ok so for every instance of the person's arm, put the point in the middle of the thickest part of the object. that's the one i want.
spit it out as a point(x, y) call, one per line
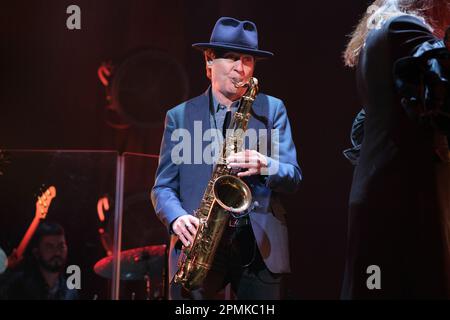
point(280, 171)
point(421, 74)
point(165, 192)
point(284, 174)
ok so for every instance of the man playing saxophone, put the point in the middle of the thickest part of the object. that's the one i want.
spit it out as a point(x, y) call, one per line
point(252, 253)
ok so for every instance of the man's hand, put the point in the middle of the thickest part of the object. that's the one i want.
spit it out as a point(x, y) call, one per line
point(185, 227)
point(251, 160)
point(14, 260)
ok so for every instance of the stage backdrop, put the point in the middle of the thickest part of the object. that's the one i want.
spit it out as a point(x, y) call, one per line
point(51, 96)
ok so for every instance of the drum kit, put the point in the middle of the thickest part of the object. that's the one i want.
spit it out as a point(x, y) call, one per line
point(146, 263)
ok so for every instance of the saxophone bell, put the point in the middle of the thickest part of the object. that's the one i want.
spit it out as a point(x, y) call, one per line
point(232, 194)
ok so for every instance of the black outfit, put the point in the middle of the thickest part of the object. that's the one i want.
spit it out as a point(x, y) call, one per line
point(399, 217)
point(29, 284)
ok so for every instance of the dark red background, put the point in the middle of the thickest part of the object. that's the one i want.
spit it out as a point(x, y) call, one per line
point(51, 97)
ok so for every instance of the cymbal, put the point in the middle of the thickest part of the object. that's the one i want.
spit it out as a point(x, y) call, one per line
point(135, 264)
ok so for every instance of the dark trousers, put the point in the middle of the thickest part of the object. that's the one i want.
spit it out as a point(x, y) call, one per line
point(238, 262)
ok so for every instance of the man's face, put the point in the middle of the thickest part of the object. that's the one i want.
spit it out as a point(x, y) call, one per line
point(228, 68)
point(52, 253)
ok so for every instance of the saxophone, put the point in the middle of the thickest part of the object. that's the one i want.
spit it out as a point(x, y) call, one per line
point(225, 194)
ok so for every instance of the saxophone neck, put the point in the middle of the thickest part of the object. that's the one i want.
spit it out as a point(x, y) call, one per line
point(252, 89)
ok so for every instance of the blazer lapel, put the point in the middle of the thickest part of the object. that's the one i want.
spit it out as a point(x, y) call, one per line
point(198, 121)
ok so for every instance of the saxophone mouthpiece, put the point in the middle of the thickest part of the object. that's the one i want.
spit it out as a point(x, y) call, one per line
point(250, 82)
point(239, 83)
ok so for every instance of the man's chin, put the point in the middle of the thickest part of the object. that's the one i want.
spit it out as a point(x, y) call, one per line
point(235, 92)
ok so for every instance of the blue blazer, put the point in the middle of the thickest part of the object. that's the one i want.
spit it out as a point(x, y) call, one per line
point(179, 188)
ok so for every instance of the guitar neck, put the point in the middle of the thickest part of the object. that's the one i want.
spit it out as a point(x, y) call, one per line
point(27, 237)
point(42, 205)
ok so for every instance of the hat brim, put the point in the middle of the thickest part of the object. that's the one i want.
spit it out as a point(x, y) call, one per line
point(253, 52)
